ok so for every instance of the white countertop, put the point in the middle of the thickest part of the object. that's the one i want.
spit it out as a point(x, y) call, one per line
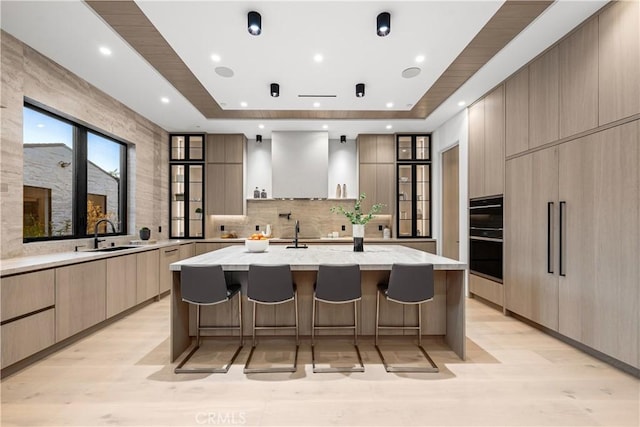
point(374, 257)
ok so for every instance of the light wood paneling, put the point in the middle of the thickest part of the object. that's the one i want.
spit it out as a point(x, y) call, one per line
point(494, 142)
point(517, 113)
point(368, 180)
point(429, 246)
point(147, 278)
point(543, 99)
point(385, 148)
point(25, 293)
point(215, 148)
point(385, 187)
point(578, 61)
point(121, 283)
point(599, 296)
point(80, 297)
point(215, 188)
point(234, 148)
point(187, 251)
point(476, 149)
point(168, 255)
point(233, 189)
point(450, 204)
point(27, 336)
point(367, 148)
point(619, 61)
point(487, 289)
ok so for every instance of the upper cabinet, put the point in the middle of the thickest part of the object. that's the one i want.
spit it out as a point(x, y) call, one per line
point(619, 61)
point(377, 170)
point(543, 99)
point(224, 174)
point(578, 62)
point(516, 98)
point(486, 145)
point(186, 147)
point(377, 148)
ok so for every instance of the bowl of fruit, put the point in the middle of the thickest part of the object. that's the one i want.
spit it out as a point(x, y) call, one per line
point(256, 243)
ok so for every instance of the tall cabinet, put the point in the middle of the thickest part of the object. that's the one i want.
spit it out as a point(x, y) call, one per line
point(186, 187)
point(225, 183)
point(377, 170)
point(413, 154)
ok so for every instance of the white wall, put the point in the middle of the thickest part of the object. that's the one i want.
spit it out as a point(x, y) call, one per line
point(258, 167)
point(343, 160)
point(453, 132)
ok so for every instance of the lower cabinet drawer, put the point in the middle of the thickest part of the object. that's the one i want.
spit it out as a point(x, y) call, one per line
point(26, 336)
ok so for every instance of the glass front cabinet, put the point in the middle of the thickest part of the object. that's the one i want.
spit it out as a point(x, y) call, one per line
point(413, 211)
point(186, 187)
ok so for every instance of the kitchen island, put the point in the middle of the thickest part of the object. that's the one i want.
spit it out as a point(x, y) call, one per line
point(444, 316)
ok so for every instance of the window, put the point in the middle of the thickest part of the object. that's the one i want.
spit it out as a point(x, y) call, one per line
point(74, 177)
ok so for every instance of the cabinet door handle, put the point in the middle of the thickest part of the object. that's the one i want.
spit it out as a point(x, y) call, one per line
point(170, 250)
point(549, 237)
point(561, 239)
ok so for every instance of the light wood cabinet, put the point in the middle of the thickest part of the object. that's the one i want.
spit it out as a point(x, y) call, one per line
point(225, 195)
point(225, 148)
point(476, 149)
point(578, 62)
point(377, 182)
point(80, 297)
point(619, 61)
point(26, 336)
point(147, 279)
point(544, 99)
point(531, 205)
point(168, 255)
point(121, 283)
point(486, 145)
point(572, 238)
point(26, 293)
point(187, 251)
point(599, 292)
point(487, 289)
point(516, 100)
point(377, 148)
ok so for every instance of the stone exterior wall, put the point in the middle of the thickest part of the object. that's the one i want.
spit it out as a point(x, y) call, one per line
point(27, 73)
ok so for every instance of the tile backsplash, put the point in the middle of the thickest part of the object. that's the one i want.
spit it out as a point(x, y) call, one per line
point(316, 219)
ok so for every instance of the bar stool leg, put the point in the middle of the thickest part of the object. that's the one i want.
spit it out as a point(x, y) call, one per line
point(295, 301)
point(377, 315)
point(253, 327)
point(240, 318)
point(313, 321)
point(355, 323)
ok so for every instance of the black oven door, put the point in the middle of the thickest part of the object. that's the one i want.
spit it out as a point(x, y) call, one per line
point(486, 258)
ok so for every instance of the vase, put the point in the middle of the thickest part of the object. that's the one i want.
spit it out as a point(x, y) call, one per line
point(338, 192)
point(145, 234)
point(358, 237)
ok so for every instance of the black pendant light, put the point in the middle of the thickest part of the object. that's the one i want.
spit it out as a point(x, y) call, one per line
point(383, 27)
point(275, 90)
point(360, 90)
point(254, 23)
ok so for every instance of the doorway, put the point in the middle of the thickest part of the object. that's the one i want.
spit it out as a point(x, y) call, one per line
point(450, 204)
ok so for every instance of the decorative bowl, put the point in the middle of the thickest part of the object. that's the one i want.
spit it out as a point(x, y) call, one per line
point(256, 245)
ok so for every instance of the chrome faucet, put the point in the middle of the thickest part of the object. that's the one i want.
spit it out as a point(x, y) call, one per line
point(295, 234)
point(95, 232)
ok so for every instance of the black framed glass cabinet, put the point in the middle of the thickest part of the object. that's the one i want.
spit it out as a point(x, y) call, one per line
point(186, 186)
point(413, 163)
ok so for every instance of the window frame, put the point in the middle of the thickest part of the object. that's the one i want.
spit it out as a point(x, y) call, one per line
point(79, 185)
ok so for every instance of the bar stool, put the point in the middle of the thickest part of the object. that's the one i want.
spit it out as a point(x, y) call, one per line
point(271, 285)
point(409, 284)
point(337, 284)
point(206, 285)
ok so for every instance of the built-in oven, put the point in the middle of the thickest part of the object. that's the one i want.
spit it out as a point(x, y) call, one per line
point(485, 237)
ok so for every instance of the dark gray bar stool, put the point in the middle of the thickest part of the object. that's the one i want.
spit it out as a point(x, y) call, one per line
point(409, 284)
point(337, 284)
point(270, 285)
point(206, 285)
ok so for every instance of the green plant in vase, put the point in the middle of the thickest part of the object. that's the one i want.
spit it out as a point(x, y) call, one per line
point(358, 219)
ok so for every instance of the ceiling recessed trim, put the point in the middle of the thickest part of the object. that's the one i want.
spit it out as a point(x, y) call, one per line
point(127, 19)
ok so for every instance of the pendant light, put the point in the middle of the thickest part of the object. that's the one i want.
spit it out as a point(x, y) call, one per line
point(383, 27)
point(254, 23)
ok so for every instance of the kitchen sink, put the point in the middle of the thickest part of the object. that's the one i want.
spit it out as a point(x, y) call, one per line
point(113, 248)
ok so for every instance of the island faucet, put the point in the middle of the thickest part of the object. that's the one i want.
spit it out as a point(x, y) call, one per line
point(95, 232)
point(296, 230)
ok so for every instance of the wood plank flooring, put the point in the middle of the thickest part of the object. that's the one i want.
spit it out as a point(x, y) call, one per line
point(514, 376)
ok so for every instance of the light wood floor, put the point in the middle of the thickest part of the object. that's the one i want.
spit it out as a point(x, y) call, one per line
point(514, 376)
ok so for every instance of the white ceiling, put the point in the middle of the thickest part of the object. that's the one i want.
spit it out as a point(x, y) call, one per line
point(70, 33)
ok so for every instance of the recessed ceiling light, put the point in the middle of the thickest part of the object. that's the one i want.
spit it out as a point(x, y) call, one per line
point(164, 100)
point(316, 104)
point(318, 57)
point(461, 104)
point(105, 51)
point(254, 23)
point(40, 125)
point(224, 71)
point(420, 58)
point(410, 72)
point(261, 126)
point(325, 126)
point(243, 104)
point(215, 57)
point(389, 126)
point(389, 104)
